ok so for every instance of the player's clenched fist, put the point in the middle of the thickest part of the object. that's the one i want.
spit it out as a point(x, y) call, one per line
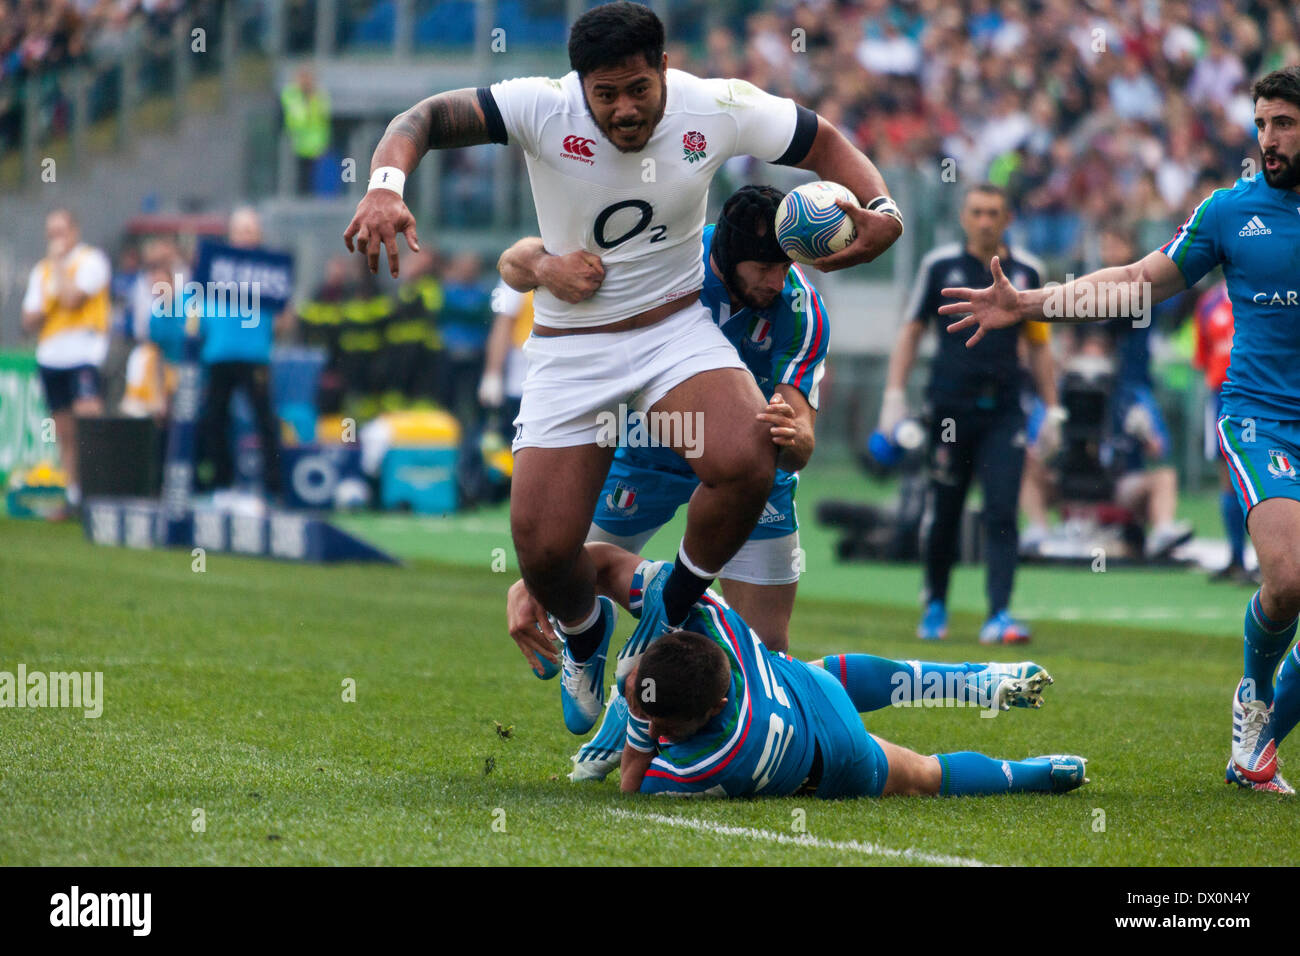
point(380, 217)
point(572, 277)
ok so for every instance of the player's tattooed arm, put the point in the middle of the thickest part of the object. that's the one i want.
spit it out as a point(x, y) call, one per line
point(443, 121)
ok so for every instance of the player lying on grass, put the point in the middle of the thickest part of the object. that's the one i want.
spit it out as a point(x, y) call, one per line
point(1253, 232)
point(718, 714)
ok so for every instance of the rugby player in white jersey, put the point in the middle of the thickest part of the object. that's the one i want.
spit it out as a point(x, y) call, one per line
point(620, 154)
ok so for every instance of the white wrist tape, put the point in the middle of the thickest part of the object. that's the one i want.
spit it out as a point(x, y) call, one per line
point(388, 177)
point(883, 204)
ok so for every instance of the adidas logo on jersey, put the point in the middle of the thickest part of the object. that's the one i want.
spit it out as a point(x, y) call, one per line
point(770, 515)
point(579, 148)
point(1255, 227)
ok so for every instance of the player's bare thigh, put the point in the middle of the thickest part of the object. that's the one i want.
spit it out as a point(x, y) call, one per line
point(766, 608)
point(727, 438)
point(910, 774)
point(553, 495)
point(1274, 526)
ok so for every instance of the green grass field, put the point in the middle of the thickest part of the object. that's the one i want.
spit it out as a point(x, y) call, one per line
point(223, 693)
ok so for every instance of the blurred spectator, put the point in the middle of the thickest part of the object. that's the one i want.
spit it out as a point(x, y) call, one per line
point(67, 307)
point(236, 355)
point(306, 108)
point(320, 321)
point(1217, 76)
point(1133, 93)
point(1214, 328)
point(162, 304)
point(464, 323)
point(411, 337)
point(501, 388)
point(1140, 441)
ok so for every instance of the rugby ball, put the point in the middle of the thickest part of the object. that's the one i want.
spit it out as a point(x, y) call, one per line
point(810, 226)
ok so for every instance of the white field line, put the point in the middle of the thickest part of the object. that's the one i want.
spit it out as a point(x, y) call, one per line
point(1126, 613)
point(804, 839)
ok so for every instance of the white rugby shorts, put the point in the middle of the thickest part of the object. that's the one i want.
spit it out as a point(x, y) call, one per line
point(764, 561)
point(573, 379)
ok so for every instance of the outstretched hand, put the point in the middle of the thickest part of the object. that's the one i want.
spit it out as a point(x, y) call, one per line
point(381, 215)
point(995, 307)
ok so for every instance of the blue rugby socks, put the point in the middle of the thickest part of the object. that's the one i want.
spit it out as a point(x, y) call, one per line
point(874, 682)
point(1234, 522)
point(1286, 699)
point(1265, 644)
point(968, 774)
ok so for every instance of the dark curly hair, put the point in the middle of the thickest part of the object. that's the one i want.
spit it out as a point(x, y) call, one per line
point(1281, 84)
point(682, 676)
point(612, 33)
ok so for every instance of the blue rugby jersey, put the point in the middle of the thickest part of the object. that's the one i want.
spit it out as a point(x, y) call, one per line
point(1253, 231)
point(783, 344)
point(762, 742)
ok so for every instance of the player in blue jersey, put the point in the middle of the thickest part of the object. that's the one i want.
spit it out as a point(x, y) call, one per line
point(778, 324)
point(1253, 232)
point(718, 714)
point(775, 318)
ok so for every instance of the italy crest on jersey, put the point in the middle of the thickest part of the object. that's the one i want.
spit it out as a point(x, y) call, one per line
point(1279, 465)
point(760, 335)
point(622, 499)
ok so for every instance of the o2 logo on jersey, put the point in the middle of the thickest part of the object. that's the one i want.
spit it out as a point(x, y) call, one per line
point(622, 500)
point(693, 146)
point(579, 148)
point(621, 213)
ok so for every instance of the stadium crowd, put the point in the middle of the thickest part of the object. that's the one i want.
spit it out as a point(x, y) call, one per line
point(1087, 113)
point(40, 39)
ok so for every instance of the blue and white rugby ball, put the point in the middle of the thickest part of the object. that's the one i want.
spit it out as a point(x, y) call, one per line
point(810, 226)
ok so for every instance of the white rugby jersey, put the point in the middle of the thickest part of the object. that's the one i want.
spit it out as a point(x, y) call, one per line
point(642, 213)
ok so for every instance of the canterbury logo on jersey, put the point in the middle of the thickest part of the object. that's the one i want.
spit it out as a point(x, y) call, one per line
point(579, 148)
point(1255, 227)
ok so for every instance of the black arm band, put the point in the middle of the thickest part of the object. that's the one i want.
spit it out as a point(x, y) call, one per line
point(805, 131)
point(496, 126)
